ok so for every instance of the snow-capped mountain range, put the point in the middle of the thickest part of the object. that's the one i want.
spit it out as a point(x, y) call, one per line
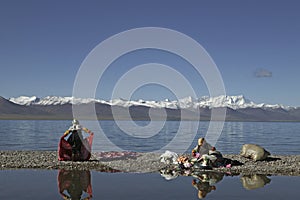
point(238, 108)
point(233, 102)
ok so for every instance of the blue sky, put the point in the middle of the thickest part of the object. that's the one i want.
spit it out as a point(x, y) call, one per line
point(255, 44)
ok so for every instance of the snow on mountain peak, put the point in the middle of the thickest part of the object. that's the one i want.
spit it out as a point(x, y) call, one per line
point(24, 100)
point(51, 100)
point(233, 102)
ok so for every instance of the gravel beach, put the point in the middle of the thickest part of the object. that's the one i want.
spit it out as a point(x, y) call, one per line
point(142, 163)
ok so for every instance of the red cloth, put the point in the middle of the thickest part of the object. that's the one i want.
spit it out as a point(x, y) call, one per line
point(65, 149)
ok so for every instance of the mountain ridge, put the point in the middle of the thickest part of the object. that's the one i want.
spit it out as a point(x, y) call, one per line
point(238, 108)
point(234, 102)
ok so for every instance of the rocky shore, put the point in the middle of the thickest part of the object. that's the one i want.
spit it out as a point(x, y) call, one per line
point(142, 163)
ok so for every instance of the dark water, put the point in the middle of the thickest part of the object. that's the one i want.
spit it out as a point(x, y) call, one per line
point(42, 184)
point(276, 137)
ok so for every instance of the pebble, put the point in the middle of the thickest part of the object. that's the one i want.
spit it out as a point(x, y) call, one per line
point(143, 163)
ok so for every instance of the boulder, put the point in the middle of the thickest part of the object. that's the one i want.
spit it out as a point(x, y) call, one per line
point(255, 152)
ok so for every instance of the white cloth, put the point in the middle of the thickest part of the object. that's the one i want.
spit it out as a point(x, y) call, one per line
point(169, 157)
point(75, 127)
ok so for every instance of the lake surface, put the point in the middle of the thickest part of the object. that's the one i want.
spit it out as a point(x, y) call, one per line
point(276, 137)
point(51, 184)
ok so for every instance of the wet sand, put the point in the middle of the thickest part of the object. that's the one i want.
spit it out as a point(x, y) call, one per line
point(142, 163)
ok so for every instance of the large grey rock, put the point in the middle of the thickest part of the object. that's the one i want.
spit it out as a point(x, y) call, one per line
point(254, 152)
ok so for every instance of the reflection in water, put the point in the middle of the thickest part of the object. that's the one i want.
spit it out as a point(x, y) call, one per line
point(74, 185)
point(251, 182)
point(205, 181)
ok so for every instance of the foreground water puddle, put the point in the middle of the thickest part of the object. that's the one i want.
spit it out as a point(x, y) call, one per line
point(68, 184)
point(75, 184)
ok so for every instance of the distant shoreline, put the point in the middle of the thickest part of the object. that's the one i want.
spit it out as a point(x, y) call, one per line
point(288, 165)
point(125, 119)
